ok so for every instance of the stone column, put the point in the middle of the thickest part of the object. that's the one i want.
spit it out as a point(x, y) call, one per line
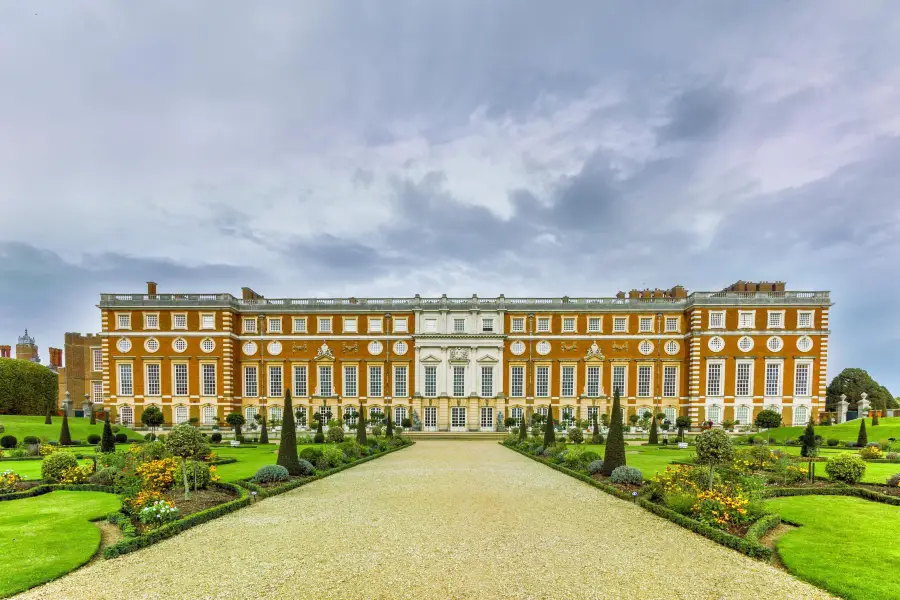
point(67, 405)
point(863, 405)
point(842, 409)
point(87, 406)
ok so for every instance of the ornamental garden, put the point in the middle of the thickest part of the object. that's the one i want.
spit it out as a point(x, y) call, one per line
point(147, 488)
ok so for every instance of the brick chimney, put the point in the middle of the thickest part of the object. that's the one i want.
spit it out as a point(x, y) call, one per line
point(55, 357)
point(5, 351)
point(151, 288)
point(249, 294)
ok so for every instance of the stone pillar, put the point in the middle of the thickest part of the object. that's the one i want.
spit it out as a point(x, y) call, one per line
point(67, 405)
point(842, 409)
point(87, 406)
point(863, 405)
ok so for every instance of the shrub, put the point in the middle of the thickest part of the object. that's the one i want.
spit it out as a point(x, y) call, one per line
point(199, 474)
point(75, 475)
point(93, 439)
point(714, 447)
point(848, 468)
point(159, 512)
point(833, 442)
point(271, 474)
point(576, 435)
point(215, 438)
point(351, 450)
point(894, 480)
point(376, 430)
point(597, 438)
point(850, 444)
point(589, 456)
point(27, 388)
point(614, 454)
point(31, 439)
point(9, 481)
point(107, 476)
point(121, 438)
point(150, 437)
point(332, 456)
point(185, 442)
point(306, 468)
point(871, 452)
point(9, 441)
point(335, 434)
point(681, 501)
point(311, 454)
point(595, 466)
point(627, 475)
point(157, 474)
point(768, 419)
point(722, 507)
point(53, 466)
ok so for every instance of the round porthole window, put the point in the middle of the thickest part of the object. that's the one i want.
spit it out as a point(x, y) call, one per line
point(775, 344)
point(208, 345)
point(645, 347)
point(745, 344)
point(274, 348)
point(716, 344)
point(543, 347)
point(804, 343)
point(179, 345)
point(375, 348)
point(672, 347)
point(151, 345)
point(400, 348)
point(249, 348)
point(123, 345)
point(517, 348)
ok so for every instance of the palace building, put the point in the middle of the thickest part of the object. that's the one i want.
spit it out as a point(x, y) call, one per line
point(465, 364)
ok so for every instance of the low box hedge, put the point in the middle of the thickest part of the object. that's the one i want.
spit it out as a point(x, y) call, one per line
point(833, 491)
point(751, 548)
point(761, 527)
point(46, 488)
point(19, 458)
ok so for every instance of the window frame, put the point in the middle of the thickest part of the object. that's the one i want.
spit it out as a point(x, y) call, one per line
point(295, 369)
point(459, 392)
point(812, 319)
point(739, 364)
point(148, 381)
point(779, 383)
point(675, 329)
point(270, 321)
point(429, 380)
point(327, 321)
point(95, 353)
point(488, 370)
point(563, 384)
point(456, 325)
point(673, 369)
point(513, 383)
point(745, 313)
point(719, 315)
point(397, 379)
point(569, 320)
point(487, 325)
point(599, 321)
point(396, 325)
point(589, 369)
point(203, 317)
point(719, 380)
point(269, 380)
point(375, 324)
point(616, 321)
point(204, 390)
point(807, 366)
point(612, 378)
point(176, 367)
point(350, 325)
point(147, 325)
point(119, 325)
point(251, 321)
point(512, 324)
point(320, 378)
point(549, 325)
point(295, 321)
point(175, 317)
point(375, 384)
point(769, 316)
point(645, 319)
point(647, 383)
point(350, 379)
point(245, 381)
point(538, 370)
point(430, 325)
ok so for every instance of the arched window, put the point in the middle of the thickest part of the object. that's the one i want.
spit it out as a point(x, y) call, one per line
point(181, 415)
point(350, 415)
point(715, 414)
point(209, 415)
point(126, 415)
point(801, 415)
point(275, 413)
point(250, 414)
point(743, 415)
point(399, 414)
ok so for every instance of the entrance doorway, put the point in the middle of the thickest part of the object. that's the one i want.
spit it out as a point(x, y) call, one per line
point(457, 418)
point(430, 418)
point(487, 418)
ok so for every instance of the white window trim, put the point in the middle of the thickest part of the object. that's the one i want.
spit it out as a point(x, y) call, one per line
point(119, 326)
point(600, 323)
point(252, 328)
point(455, 321)
point(270, 320)
point(492, 321)
point(638, 376)
point(375, 324)
point(395, 379)
point(320, 320)
point(769, 319)
point(305, 392)
point(809, 379)
point(780, 393)
point(537, 324)
point(147, 378)
point(709, 319)
point(370, 380)
point(245, 392)
point(430, 325)
point(677, 380)
point(616, 320)
point(549, 368)
point(295, 320)
point(512, 325)
point(151, 327)
point(612, 389)
point(812, 318)
point(94, 363)
point(350, 322)
point(405, 328)
point(721, 393)
point(203, 316)
point(574, 320)
point(752, 314)
point(517, 366)
point(752, 375)
point(344, 379)
point(574, 368)
point(187, 368)
point(179, 314)
point(215, 379)
point(641, 320)
point(269, 393)
point(677, 324)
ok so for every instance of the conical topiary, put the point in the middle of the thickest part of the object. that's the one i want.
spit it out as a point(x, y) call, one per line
point(361, 427)
point(93, 415)
point(389, 430)
point(654, 433)
point(48, 420)
point(108, 441)
point(862, 439)
point(596, 438)
point(523, 429)
point(287, 447)
point(549, 433)
point(808, 440)
point(65, 439)
point(264, 434)
point(614, 456)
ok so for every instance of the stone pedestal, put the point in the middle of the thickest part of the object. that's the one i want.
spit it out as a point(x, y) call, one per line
point(842, 409)
point(67, 407)
point(87, 406)
point(863, 405)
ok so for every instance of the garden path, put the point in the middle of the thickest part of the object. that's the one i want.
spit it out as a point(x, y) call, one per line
point(442, 519)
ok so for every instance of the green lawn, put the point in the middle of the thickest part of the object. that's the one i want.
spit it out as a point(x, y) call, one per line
point(29, 469)
point(47, 536)
point(844, 545)
point(846, 432)
point(79, 428)
point(648, 459)
point(249, 460)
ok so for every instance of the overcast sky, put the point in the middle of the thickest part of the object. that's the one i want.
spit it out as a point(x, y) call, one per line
point(393, 148)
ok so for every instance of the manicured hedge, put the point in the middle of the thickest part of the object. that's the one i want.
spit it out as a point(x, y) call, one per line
point(47, 488)
point(130, 544)
point(833, 491)
point(761, 527)
point(27, 388)
point(224, 461)
point(748, 547)
point(12, 458)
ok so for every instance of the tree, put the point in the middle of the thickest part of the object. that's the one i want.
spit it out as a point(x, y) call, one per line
point(714, 447)
point(361, 427)
point(549, 434)
point(604, 420)
point(654, 434)
point(93, 414)
point(152, 417)
point(614, 455)
point(65, 438)
point(108, 441)
point(595, 438)
point(634, 419)
point(768, 419)
point(523, 428)
point(237, 421)
point(264, 434)
point(185, 441)
point(853, 382)
point(861, 440)
point(27, 388)
point(300, 414)
point(810, 449)
point(287, 447)
point(389, 431)
point(874, 418)
point(683, 422)
point(48, 420)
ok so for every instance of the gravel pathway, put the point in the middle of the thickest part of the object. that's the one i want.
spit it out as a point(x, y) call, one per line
point(441, 519)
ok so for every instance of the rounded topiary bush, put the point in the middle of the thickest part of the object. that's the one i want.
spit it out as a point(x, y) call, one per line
point(332, 457)
point(598, 439)
point(589, 457)
point(575, 435)
point(150, 437)
point(595, 466)
point(105, 476)
point(271, 474)
point(833, 442)
point(93, 439)
point(627, 475)
point(31, 439)
point(310, 454)
point(53, 466)
point(848, 468)
point(306, 468)
point(194, 468)
point(215, 438)
point(894, 480)
point(121, 438)
point(8, 441)
point(335, 434)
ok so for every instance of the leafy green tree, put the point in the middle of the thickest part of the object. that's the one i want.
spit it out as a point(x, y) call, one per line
point(634, 419)
point(862, 439)
point(614, 455)
point(185, 441)
point(48, 420)
point(874, 418)
point(604, 420)
point(65, 438)
point(300, 415)
point(152, 417)
point(714, 447)
point(237, 421)
point(853, 382)
point(768, 419)
point(654, 434)
point(27, 388)
point(287, 447)
point(361, 427)
point(549, 433)
point(108, 441)
point(682, 422)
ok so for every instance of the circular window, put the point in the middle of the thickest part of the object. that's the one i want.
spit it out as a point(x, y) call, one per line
point(716, 343)
point(645, 347)
point(672, 347)
point(804, 343)
point(179, 345)
point(124, 344)
point(775, 344)
point(745, 344)
point(208, 345)
point(151, 345)
point(517, 348)
point(543, 347)
point(375, 348)
point(249, 348)
point(274, 348)
point(400, 347)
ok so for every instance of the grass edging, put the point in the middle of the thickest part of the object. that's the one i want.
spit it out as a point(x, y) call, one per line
point(833, 491)
point(751, 548)
point(292, 485)
point(761, 527)
point(46, 488)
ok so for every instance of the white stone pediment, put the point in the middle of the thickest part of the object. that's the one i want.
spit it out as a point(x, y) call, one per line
point(430, 359)
point(487, 358)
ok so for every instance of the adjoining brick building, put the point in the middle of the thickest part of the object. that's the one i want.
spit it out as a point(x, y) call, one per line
point(82, 375)
point(467, 363)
